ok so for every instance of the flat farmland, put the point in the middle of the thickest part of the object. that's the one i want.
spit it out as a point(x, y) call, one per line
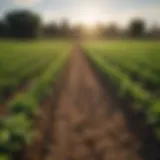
point(94, 100)
point(133, 68)
point(27, 72)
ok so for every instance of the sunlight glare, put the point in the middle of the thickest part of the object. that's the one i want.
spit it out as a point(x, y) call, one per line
point(89, 16)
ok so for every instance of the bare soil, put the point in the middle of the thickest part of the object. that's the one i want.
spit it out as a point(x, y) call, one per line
point(83, 122)
point(87, 124)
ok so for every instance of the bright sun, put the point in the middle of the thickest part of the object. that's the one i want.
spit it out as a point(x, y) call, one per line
point(89, 16)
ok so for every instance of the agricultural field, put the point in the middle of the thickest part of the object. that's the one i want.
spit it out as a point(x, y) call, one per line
point(54, 105)
point(133, 68)
point(27, 71)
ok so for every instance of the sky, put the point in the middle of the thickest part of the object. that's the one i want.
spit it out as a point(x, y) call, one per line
point(88, 11)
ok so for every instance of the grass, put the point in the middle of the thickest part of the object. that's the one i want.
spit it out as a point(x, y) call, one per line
point(133, 67)
point(41, 61)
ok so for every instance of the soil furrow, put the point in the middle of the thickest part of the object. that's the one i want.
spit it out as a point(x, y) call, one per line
point(87, 125)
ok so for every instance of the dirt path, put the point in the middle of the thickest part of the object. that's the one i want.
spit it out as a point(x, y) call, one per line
point(87, 126)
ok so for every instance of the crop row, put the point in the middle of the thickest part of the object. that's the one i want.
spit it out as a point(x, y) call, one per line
point(142, 98)
point(138, 68)
point(16, 129)
point(137, 59)
point(22, 62)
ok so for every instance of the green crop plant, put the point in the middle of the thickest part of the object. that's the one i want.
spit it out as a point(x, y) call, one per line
point(132, 67)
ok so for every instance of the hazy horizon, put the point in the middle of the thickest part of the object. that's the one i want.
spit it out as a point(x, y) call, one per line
point(88, 11)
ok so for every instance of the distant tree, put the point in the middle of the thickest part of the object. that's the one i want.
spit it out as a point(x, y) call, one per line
point(23, 24)
point(51, 30)
point(3, 29)
point(65, 29)
point(112, 30)
point(99, 29)
point(76, 31)
point(137, 28)
point(155, 31)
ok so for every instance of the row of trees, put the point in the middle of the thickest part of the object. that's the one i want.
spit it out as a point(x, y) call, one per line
point(25, 24)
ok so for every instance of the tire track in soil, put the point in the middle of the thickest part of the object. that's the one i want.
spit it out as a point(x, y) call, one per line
point(87, 125)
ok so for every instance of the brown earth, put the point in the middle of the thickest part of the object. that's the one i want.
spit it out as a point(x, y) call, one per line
point(83, 122)
point(87, 125)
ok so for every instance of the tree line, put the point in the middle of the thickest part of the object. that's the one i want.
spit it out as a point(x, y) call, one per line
point(25, 24)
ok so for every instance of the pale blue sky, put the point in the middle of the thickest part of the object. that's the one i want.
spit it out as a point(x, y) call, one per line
point(88, 11)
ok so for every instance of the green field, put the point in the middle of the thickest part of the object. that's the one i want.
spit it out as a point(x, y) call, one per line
point(29, 69)
point(35, 65)
point(133, 67)
point(22, 61)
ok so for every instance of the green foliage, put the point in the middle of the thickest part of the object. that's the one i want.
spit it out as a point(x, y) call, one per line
point(16, 129)
point(134, 68)
point(4, 157)
point(24, 103)
point(24, 61)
